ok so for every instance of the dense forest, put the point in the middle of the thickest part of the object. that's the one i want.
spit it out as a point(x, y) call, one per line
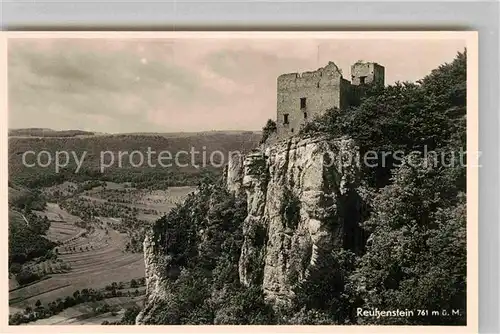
point(143, 176)
point(415, 253)
point(25, 228)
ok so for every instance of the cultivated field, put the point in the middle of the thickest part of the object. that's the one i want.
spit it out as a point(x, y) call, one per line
point(150, 204)
point(64, 189)
point(85, 314)
point(92, 253)
point(96, 259)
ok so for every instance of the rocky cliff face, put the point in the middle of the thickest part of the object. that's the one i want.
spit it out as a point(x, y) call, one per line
point(155, 268)
point(303, 203)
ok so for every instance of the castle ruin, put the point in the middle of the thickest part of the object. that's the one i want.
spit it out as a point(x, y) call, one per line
point(302, 96)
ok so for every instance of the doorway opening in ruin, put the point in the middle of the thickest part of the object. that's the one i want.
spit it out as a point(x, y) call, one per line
point(285, 118)
point(362, 80)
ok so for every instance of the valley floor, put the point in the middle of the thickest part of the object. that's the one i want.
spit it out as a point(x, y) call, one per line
point(86, 259)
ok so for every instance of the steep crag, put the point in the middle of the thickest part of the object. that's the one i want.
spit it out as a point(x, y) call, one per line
point(303, 204)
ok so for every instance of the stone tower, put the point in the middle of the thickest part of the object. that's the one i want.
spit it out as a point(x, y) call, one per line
point(302, 96)
point(367, 73)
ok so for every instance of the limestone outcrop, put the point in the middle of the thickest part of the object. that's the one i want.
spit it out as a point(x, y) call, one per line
point(299, 192)
point(303, 204)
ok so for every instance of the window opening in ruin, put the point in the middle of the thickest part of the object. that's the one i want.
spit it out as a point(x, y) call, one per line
point(285, 119)
point(362, 80)
point(302, 102)
point(305, 115)
point(292, 130)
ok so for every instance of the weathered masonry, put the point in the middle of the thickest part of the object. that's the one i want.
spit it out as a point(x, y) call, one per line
point(302, 96)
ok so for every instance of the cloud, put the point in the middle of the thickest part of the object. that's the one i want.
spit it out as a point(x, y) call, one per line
point(183, 84)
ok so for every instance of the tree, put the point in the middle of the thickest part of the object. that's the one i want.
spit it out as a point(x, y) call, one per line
point(416, 254)
point(133, 283)
point(245, 306)
point(309, 317)
point(69, 301)
point(59, 304)
point(15, 268)
point(268, 130)
point(26, 276)
point(84, 295)
point(17, 318)
point(52, 307)
point(38, 303)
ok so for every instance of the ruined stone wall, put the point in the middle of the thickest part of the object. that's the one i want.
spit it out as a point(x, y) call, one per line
point(322, 90)
point(347, 96)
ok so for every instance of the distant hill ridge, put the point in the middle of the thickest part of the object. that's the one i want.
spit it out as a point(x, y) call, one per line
point(46, 132)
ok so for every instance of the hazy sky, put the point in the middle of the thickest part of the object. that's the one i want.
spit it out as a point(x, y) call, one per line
point(172, 85)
